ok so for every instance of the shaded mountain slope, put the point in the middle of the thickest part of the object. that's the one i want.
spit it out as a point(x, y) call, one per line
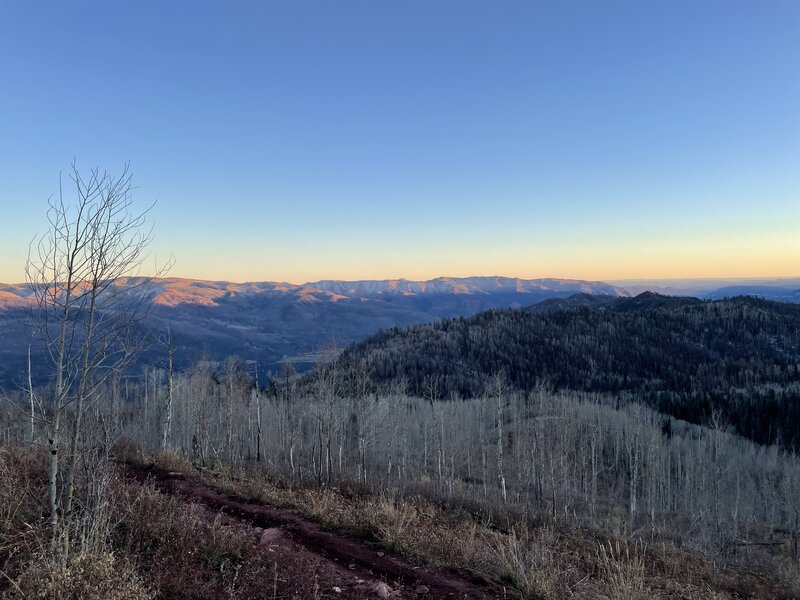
point(737, 360)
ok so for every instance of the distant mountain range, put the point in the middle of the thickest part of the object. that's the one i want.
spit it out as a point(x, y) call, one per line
point(267, 322)
point(175, 291)
point(763, 287)
point(780, 294)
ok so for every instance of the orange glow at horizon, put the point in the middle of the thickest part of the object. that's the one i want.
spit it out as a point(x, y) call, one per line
point(597, 256)
point(597, 262)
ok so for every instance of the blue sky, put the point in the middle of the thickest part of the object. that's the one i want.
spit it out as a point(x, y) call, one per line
point(303, 140)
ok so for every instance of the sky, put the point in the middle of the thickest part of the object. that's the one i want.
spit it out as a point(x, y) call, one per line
point(300, 140)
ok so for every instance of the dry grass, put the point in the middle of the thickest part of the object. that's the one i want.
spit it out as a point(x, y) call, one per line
point(186, 552)
point(169, 460)
point(156, 546)
point(85, 577)
point(542, 563)
point(21, 496)
point(622, 565)
point(528, 563)
point(30, 568)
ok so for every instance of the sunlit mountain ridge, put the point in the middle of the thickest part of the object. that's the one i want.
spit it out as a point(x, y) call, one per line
point(174, 291)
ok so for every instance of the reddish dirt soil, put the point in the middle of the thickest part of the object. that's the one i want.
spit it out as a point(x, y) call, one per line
point(345, 567)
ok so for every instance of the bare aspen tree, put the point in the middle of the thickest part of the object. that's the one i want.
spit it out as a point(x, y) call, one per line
point(84, 275)
point(257, 393)
point(430, 392)
point(145, 382)
point(326, 387)
point(168, 406)
point(497, 391)
point(593, 442)
point(232, 366)
point(632, 448)
point(361, 378)
point(482, 443)
point(289, 414)
point(55, 274)
point(32, 400)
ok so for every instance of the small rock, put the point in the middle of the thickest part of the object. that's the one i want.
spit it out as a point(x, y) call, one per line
point(270, 536)
point(351, 566)
point(380, 554)
point(422, 590)
point(383, 590)
point(337, 589)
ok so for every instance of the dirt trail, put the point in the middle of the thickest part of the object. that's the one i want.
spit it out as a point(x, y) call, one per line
point(347, 568)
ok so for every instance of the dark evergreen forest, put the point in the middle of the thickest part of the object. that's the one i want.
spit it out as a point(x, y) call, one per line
point(732, 362)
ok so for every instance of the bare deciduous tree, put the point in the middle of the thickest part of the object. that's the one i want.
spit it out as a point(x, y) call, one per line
point(84, 273)
point(497, 391)
point(168, 407)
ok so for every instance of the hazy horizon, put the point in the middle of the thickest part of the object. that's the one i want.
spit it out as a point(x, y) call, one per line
point(631, 282)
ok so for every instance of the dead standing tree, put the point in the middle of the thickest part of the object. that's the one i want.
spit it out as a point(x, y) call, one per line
point(327, 388)
point(84, 275)
point(497, 391)
point(168, 405)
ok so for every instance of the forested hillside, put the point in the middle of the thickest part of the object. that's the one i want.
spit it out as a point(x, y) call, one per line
point(732, 362)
